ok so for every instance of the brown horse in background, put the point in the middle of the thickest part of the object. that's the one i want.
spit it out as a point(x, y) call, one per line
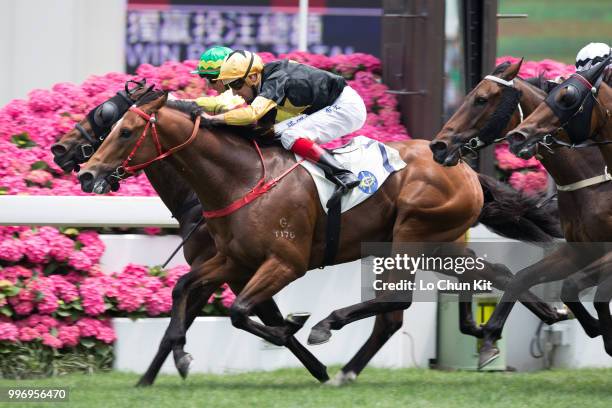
point(574, 117)
point(423, 202)
point(489, 110)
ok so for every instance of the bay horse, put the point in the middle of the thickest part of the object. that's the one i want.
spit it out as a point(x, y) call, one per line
point(581, 105)
point(573, 117)
point(432, 204)
point(499, 103)
point(75, 147)
point(68, 155)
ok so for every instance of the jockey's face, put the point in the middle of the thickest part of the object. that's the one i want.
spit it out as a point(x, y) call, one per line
point(216, 85)
point(248, 90)
point(213, 83)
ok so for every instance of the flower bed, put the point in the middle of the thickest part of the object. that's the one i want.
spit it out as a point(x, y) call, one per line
point(54, 296)
point(29, 127)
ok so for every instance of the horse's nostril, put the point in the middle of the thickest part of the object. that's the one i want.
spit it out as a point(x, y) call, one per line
point(86, 177)
point(516, 137)
point(438, 146)
point(58, 149)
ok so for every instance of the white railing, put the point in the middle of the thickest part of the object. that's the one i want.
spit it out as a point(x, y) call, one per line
point(85, 211)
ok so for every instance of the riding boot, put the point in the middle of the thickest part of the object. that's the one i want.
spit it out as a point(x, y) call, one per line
point(334, 171)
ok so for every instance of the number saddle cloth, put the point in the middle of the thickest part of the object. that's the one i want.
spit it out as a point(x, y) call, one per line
point(369, 159)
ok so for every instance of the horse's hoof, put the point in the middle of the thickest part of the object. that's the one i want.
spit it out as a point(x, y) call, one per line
point(144, 382)
point(318, 336)
point(298, 318)
point(341, 379)
point(564, 313)
point(487, 356)
point(182, 365)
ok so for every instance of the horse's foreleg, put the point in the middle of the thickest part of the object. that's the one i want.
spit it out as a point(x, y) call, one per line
point(554, 267)
point(195, 303)
point(570, 294)
point(269, 279)
point(500, 276)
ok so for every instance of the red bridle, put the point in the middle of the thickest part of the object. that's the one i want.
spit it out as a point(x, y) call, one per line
point(260, 188)
point(151, 123)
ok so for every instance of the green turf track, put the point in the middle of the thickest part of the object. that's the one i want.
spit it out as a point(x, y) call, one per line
point(555, 29)
point(412, 388)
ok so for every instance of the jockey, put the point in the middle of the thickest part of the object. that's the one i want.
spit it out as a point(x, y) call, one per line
point(591, 54)
point(208, 69)
point(309, 106)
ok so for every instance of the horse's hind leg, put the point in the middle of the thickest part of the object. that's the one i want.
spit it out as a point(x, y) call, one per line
point(384, 302)
point(385, 326)
point(602, 305)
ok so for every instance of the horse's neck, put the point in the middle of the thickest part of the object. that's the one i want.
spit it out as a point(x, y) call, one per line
point(218, 166)
point(531, 96)
point(176, 194)
point(566, 166)
point(605, 100)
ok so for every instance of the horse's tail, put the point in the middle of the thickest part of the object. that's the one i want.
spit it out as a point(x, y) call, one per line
point(514, 215)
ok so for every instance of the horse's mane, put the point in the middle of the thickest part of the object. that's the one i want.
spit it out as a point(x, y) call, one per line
point(150, 96)
point(193, 109)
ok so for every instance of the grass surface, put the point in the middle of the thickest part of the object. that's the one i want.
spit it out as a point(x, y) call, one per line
point(375, 388)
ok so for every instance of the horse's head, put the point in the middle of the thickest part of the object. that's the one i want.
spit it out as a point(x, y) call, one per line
point(482, 118)
point(133, 140)
point(78, 145)
point(571, 114)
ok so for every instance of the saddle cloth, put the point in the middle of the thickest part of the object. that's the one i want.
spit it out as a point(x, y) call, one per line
point(369, 159)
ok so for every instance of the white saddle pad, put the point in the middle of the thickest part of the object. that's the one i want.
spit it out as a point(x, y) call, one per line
point(369, 159)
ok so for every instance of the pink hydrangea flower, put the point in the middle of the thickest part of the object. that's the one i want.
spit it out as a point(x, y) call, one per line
point(227, 297)
point(80, 260)
point(11, 249)
point(69, 335)
point(8, 332)
point(92, 296)
point(49, 340)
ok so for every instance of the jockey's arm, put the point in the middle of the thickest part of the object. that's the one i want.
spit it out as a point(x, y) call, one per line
point(247, 115)
point(220, 103)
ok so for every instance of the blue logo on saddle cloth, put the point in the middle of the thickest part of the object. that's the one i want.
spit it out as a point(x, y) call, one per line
point(369, 183)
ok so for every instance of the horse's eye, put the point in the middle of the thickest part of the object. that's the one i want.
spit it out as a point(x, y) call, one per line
point(569, 97)
point(125, 133)
point(480, 100)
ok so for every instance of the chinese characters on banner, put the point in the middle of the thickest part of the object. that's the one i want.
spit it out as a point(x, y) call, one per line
point(183, 32)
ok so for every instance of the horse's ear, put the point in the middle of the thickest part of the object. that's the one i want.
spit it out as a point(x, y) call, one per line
point(512, 70)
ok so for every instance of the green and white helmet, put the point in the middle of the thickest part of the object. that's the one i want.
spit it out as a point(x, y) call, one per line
point(211, 61)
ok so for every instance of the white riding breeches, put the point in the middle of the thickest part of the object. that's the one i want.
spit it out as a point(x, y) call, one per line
point(346, 115)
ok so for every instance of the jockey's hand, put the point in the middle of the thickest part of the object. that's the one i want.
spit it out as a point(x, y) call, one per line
point(209, 120)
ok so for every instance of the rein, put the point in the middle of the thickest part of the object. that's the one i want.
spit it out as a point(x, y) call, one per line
point(260, 189)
